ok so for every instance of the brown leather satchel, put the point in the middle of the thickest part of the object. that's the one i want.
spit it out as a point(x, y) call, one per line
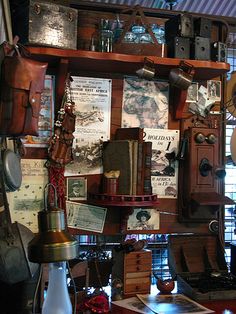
point(22, 81)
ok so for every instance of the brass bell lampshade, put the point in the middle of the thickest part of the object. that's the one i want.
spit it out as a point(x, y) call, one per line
point(54, 245)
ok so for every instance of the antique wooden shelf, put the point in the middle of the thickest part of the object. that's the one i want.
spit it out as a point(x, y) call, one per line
point(116, 63)
point(126, 203)
point(123, 200)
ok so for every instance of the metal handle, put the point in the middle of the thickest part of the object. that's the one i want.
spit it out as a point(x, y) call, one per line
point(46, 195)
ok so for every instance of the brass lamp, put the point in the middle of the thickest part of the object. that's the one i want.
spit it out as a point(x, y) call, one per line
point(54, 245)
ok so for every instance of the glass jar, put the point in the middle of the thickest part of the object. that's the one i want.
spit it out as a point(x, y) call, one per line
point(145, 38)
point(130, 37)
point(159, 32)
point(138, 29)
point(105, 41)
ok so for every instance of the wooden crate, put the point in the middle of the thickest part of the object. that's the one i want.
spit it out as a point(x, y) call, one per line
point(195, 260)
point(148, 49)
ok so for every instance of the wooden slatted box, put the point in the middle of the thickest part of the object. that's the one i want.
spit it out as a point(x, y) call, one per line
point(194, 260)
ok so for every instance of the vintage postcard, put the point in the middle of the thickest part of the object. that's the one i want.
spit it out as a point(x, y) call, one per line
point(203, 105)
point(192, 93)
point(46, 115)
point(92, 97)
point(145, 103)
point(172, 303)
point(214, 90)
point(85, 217)
point(76, 188)
point(144, 219)
point(164, 166)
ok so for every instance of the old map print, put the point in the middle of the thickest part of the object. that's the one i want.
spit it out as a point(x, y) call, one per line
point(145, 103)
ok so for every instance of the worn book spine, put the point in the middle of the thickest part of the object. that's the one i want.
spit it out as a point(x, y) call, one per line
point(147, 163)
point(135, 167)
point(140, 171)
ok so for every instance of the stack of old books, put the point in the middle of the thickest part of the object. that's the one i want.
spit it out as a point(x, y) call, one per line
point(131, 155)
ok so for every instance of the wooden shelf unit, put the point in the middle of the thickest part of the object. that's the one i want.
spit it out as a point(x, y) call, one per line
point(116, 63)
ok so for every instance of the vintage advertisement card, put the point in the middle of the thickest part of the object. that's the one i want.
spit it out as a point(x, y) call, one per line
point(92, 97)
point(164, 166)
point(85, 217)
point(26, 202)
point(145, 103)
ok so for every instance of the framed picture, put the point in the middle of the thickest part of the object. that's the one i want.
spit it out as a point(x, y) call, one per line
point(77, 188)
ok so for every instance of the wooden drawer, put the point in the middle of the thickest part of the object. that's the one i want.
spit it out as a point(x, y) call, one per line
point(138, 255)
point(137, 285)
point(138, 261)
point(138, 267)
point(139, 275)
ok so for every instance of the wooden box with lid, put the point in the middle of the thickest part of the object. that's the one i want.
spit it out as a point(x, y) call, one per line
point(134, 271)
point(198, 264)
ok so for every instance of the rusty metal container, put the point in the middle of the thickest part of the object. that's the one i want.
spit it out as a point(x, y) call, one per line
point(45, 24)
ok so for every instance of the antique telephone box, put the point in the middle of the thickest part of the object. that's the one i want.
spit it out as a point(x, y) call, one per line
point(201, 175)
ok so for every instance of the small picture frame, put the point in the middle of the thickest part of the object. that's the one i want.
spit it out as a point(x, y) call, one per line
point(144, 219)
point(214, 90)
point(77, 189)
point(192, 93)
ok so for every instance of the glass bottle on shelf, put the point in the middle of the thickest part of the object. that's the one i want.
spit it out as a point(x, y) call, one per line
point(105, 36)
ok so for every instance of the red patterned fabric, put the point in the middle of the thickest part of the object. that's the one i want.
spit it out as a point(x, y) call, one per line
point(56, 177)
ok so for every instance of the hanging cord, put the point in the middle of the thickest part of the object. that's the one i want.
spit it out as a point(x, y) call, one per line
point(37, 289)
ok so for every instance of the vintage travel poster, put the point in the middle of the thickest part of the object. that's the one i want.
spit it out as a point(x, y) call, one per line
point(92, 97)
point(145, 103)
point(164, 166)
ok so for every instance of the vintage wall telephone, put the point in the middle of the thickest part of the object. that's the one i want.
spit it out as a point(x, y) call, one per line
point(201, 175)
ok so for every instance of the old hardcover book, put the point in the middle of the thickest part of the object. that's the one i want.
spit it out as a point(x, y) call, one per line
point(118, 155)
point(134, 133)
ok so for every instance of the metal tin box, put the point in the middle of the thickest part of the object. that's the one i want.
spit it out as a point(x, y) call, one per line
point(45, 24)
